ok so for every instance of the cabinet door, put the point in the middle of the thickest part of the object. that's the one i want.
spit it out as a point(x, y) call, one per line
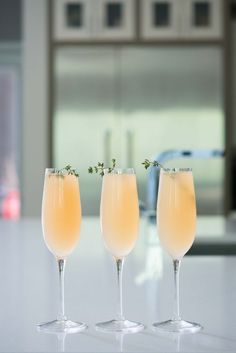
point(115, 20)
point(84, 117)
point(159, 19)
point(202, 19)
point(72, 19)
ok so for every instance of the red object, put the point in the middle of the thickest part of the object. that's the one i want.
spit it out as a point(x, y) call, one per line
point(11, 205)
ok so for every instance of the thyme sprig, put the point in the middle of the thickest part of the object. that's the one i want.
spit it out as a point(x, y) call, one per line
point(148, 164)
point(99, 168)
point(67, 170)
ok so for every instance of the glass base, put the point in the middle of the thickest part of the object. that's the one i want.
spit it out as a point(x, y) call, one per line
point(124, 326)
point(179, 326)
point(57, 326)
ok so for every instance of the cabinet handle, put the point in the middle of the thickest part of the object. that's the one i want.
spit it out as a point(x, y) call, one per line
point(130, 147)
point(107, 147)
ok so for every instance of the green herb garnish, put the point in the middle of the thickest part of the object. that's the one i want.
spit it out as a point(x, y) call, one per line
point(148, 164)
point(99, 168)
point(68, 170)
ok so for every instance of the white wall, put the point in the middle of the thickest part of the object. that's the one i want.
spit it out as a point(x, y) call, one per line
point(35, 104)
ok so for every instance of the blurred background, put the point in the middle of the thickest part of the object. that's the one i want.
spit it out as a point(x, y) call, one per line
point(83, 81)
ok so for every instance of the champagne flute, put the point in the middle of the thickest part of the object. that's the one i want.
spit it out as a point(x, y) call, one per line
point(61, 219)
point(176, 222)
point(119, 214)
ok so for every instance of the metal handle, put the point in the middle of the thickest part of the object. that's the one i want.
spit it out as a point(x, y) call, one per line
point(130, 147)
point(107, 146)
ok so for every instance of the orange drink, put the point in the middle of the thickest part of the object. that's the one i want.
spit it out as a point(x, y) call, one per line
point(119, 213)
point(61, 213)
point(176, 212)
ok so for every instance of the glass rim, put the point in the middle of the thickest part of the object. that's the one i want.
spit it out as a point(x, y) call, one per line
point(53, 170)
point(119, 171)
point(177, 170)
point(57, 170)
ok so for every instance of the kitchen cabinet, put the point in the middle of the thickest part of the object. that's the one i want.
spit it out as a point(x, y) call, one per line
point(94, 20)
point(137, 21)
point(72, 19)
point(160, 19)
point(181, 19)
point(202, 19)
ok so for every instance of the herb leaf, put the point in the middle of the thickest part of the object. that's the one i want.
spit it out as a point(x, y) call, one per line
point(67, 170)
point(147, 163)
point(99, 168)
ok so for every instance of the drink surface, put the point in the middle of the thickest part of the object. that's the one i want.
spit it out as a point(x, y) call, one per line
point(61, 213)
point(119, 213)
point(176, 212)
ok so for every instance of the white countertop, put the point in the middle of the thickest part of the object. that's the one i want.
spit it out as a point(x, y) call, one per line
point(29, 292)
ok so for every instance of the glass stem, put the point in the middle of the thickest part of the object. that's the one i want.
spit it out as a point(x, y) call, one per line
point(61, 311)
point(119, 267)
point(176, 264)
